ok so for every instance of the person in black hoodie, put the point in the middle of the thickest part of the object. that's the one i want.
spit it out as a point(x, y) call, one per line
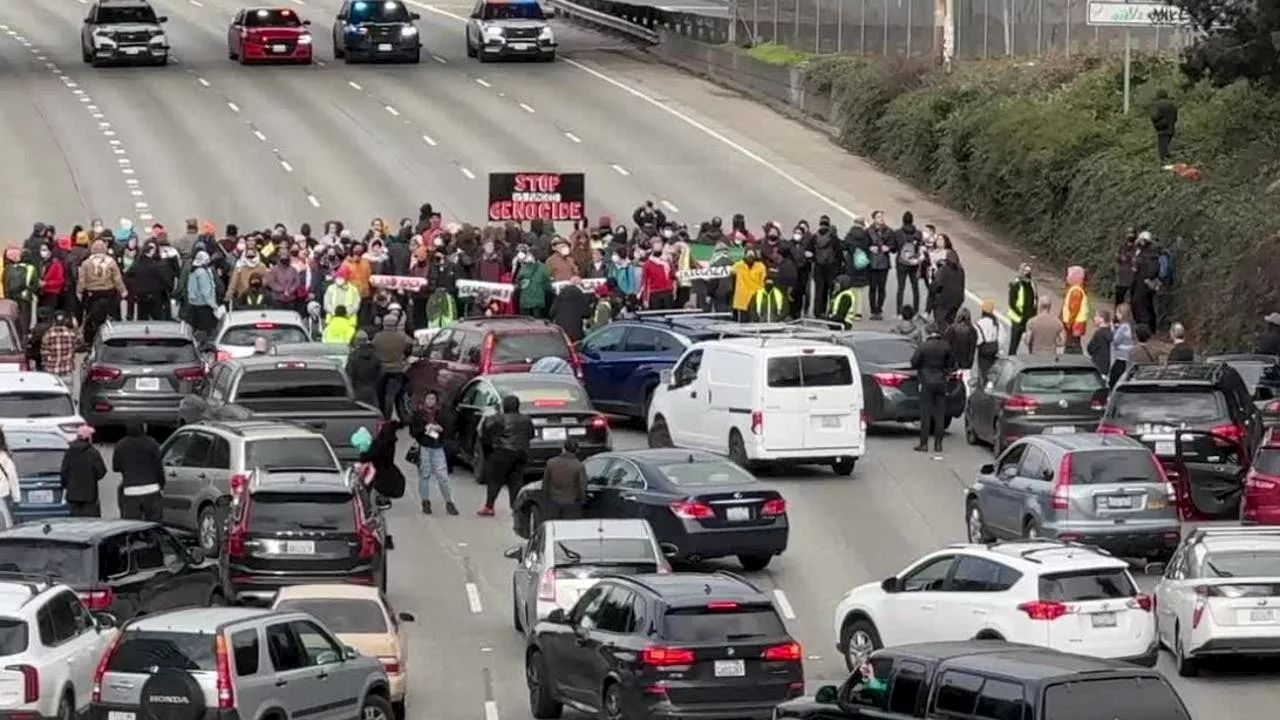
point(908, 249)
point(364, 369)
point(827, 260)
point(82, 470)
point(857, 259)
point(880, 245)
point(963, 337)
point(388, 481)
point(505, 439)
point(946, 294)
point(933, 362)
point(571, 309)
point(152, 283)
point(137, 459)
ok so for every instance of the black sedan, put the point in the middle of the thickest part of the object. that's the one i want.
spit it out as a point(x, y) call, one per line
point(1032, 394)
point(703, 504)
point(557, 404)
point(890, 390)
point(1261, 374)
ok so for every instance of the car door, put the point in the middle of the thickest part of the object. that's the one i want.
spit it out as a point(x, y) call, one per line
point(597, 468)
point(473, 24)
point(297, 682)
point(86, 32)
point(972, 601)
point(687, 402)
point(1032, 487)
point(603, 643)
point(340, 683)
point(71, 639)
point(599, 352)
point(153, 574)
point(193, 476)
point(999, 500)
point(340, 26)
point(233, 33)
point(527, 575)
point(623, 487)
point(579, 647)
point(911, 613)
point(1211, 475)
point(987, 400)
point(645, 352)
point(174, 506)
point(1170, 593)
point(190, 584)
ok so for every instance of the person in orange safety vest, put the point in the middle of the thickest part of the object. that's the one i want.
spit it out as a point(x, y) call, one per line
point(1075, 311)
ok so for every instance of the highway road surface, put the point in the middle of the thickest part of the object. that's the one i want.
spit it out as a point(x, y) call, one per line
point(207, 138)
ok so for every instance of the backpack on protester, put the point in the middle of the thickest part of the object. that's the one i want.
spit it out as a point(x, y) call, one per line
point(861, 259)
point(909, 253)
point(1165, 267)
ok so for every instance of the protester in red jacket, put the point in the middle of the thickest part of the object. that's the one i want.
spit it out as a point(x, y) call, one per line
point(53, 276)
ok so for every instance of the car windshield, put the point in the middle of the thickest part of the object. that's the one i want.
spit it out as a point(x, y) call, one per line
point(326, 382)
point(13, 636)
point(1100, 467)
point(294, 453)
point(72, 563)
point(247, 335)
point(8, 338)
point(378, 12)
point(1059, 380)
point(528, 347)
point(310, 511)
point(341, 615)
point(807, 371)
point(706, 473)
point(271, 18)
point(1193, 406)
point(722, 624)
point(36, 405)
point(889, 351)
point(148, 351)
point(512, 11)
point(559, 396)
point(126, 14)
point(38, 463)
point(1243, 563)
point(142, 652)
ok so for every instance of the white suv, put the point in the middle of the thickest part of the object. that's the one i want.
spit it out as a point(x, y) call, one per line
point(49, 649)
point(1059, 595)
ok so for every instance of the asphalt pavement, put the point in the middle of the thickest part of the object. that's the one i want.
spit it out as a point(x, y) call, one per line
point(257, 145)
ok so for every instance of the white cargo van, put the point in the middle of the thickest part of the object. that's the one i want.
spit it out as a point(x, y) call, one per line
point(764, 400)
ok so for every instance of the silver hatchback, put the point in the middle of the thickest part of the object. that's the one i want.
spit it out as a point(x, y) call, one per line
point(1103, 490)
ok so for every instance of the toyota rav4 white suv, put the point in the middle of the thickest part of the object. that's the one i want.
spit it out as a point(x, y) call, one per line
point(1058, 595)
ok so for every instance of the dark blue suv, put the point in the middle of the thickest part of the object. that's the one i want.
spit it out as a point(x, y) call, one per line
point(621, 361)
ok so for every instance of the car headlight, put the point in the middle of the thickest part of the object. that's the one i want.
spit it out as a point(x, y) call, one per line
point(408, 31)
point(545, 34)
point(304, 39)
point(158, 39)
point(493, 31)
point(103, 40)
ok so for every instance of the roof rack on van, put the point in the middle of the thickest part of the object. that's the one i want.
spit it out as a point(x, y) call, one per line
point(787, 331)
point(669, 317)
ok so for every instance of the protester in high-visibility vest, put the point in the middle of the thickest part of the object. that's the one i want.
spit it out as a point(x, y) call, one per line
point(844, 303)
point(768, 304)
point(341, 293)
point(340, 327)
point(1022, 306)
point(442, 311)
point(1075, 311)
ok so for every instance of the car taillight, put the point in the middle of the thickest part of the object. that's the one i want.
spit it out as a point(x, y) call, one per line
point(1105, 429)
point(786, 652)
point(722, 605)
point(1197, 612)
point(1140, 602)
point(890, 379)
point(222, 665)
point(1042, 610)
point(1234, 433)
point(1098, 404)
point(190, 373)
point(547, 585)
point(757, 422)
point(1260, 482)
point(30, 681)
point(1021, 403)
point(97, 599)
point(391, 665)
point(599, 422)
point(774, 507)
point(102, 373)
point(1062, 484)
point(238, 483)
point(1273, 406)
point(101, 670)
point(692, 510)
point(264, 326)
point(546, 403)
point(236, 536)
point(222, 356)
point(658, 656)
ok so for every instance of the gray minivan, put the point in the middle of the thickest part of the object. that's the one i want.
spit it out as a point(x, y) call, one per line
point(1103, 490)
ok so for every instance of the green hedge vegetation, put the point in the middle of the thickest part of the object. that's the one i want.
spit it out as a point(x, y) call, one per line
point(1042, 150)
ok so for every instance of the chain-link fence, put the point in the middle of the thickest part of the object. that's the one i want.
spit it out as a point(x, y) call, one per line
point(983, 28)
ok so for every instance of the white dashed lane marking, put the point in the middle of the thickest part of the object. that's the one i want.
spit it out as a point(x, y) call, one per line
point(429, 140)
point(394, 112)
point(203, 82)
point(467, 173)
point(354, 85)
point(234, 107)
point(473, 601)
point(482, 82)
point(527, 108)
point(672, 208)
point(620, 170)
point(572, 137)
point(258, 134)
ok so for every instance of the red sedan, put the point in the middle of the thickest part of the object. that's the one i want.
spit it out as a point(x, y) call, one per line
point(269, 35)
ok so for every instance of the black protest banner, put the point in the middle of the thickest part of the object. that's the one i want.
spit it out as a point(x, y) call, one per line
point(559, 197)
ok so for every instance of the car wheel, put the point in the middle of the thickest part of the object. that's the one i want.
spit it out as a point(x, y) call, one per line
point(1031, 530)
point(207, 531)
point(644, 407)
point(754, 563)
point(516, 621)
point(1187, 666)
point(163, 61)
point(484, 57)
point(549, 58)
point(542, 704)
point(85, 55)
point(970, 436)
point(376, 707)
point(338, 52)
point(398, 708)
point(975, 525)
point(612, 702)
point(416, 58)
point(738, 449)
point(859, 638)
point(66, 710)
point(844, 466)
point(471, 50)
point(659, 434)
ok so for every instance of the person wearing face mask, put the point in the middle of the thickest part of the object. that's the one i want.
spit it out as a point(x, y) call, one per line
point(571, 308)
point(532, 284)
point(282, 282)
point(739, 230)
point(827, 261)
point(880, 246)
point(256, 297)
point(1023, 302)
point(202, 296)
point(72, 260)
point(341, 293)
point(249, 268)
point(658, 285)
point(769, 303)
point(21, 283)
point(908, 245)
point(491, 266)
point(359, 270)
point(624, 273)
point(716, 292)
point(151, 285)
point(101, 288)
point(559, 264)
point(748, 279)
point(128, 260)
point(53, 278)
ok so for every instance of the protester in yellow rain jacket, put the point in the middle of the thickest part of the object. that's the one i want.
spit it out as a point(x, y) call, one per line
point(340, 327)
point(748, 279)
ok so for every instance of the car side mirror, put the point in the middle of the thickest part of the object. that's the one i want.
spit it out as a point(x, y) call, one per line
point(162, 19)
point(890, 584)
point(513, 553)
point(1154, 568)
point(349, 653)
point(1009, 471)
point(88, 21)
point(558, 617)
point(668, 550)
point(666, 377)
point(106, 620)
point(1046, 474)
point(415, 16)
point(406, 617)
point(195, 555)
point(306, 22)
point(473, 16)
point(827, 695)
point(987, 469)
point(340, 16)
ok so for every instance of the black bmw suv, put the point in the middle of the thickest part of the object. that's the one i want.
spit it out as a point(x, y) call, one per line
point(123, 32)
point(376, 30)
point(710, 646)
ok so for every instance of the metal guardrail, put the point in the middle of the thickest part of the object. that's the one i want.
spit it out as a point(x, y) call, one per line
point(617, 22)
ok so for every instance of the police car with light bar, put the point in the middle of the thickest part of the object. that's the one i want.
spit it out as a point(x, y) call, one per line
point(502, 30)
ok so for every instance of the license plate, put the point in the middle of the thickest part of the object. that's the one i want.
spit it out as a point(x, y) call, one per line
point(1104, 620)
point(553, 434)
point(151, 384)
point(1060, 430)
point(120, 715)
point(132, 50)
point(1262, 616)
point(277, 48)
point(576, 432)
point(731, 668)
point(300, 547)
point(384, 47)
point(40, 497)
point(737, 514)
point(1119, 503)
point(1165, 448)
point(831, 421)
point(520, 46)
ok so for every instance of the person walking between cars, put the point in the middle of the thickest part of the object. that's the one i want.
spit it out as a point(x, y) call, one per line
point(1022, 306)
point(1044, 332)
point(58, 349)
point(432, 424)
point(505, 440)
point(82, 470)
point(137, 459)
point(564, 482)
point(393, 347)
point(933, 362)
point(100, 289)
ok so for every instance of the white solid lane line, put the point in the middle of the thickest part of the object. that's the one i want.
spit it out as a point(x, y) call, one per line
point(469, 175)
point(671, 208)
point(491, 710)
point(473, 602)
point(784, 605)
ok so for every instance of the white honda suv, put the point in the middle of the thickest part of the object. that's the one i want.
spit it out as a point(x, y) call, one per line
point(1059, 595)
point(49, 649)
